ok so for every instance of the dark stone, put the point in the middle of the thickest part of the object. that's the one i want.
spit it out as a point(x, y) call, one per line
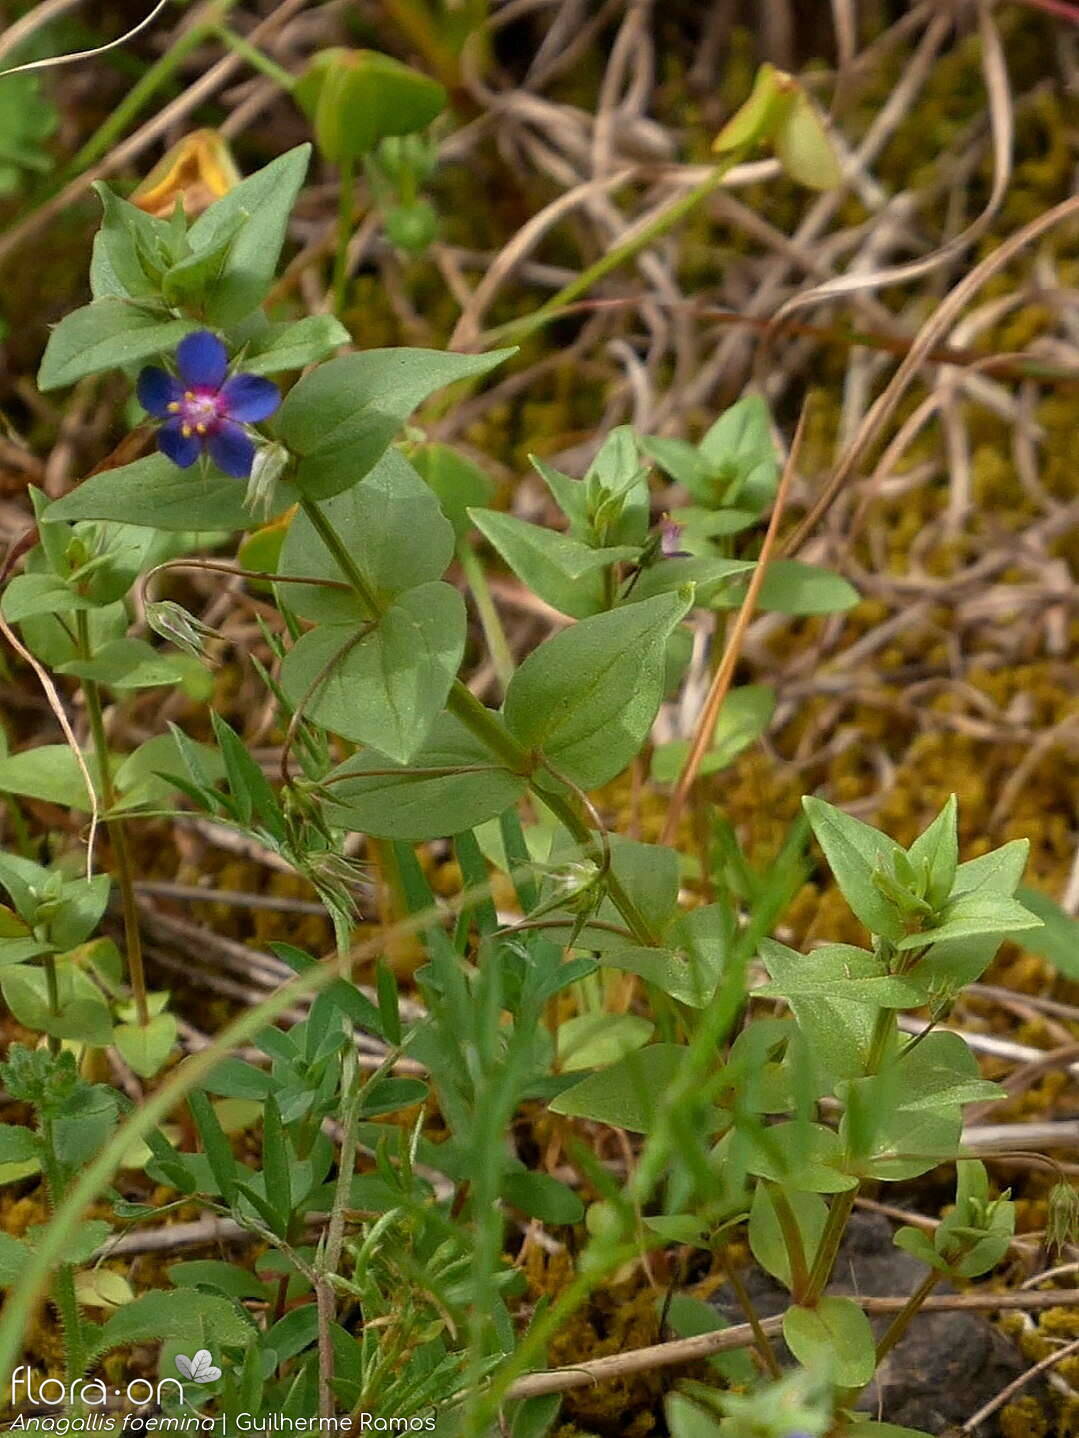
point(946, 1365)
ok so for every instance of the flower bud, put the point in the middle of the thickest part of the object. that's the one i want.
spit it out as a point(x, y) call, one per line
point(269, 464)
point(1062, 1218)
point(173, 622)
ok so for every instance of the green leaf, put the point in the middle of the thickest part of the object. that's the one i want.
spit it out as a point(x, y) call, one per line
point(743, 717)
point(176, 1315)
point(138, 775)
point(190, 282)
point(569, 494)
point(710, 576)
point(264, 201)
point(276, 1162)
point(390, 1094)
point(541, 1196)
point(358, 97)
point(11, 926)
point(835, 1337)
point(798, 1155)
point(844, 972)
point(224, 1277)
point(689, 1317)
point(854, 850)
point(648, 873)
point(616, 486)
point(686, 1419)
point(685, 465)
point(869, 1428)
point(792, 587)
point(586, 699)
point(938, 1072)
point(700, 524)
point(30, 594)
point(146, 1047)
point(457, 483)
point(127, 237)
point(740, 455)
point(973, 916)
point(84, 1128)
point(1058, 939)
point(839, 1031)
point(108, 334)
point(84, 902)
point(961, 961)
point(384, 686)
point(155, 493)
point(534, 1417)
point(126, 664)
point(756, 119)
point(102, 1288)
point(293, 344)
point(628, 1094)
point(218, 1151)
point(49, 772)
point(15, 1172)
point(17, 1144)
point(83, 1013)
point(997, 872)
point(802, 145)
point(595, 1040)
point(911, 1142)
point(765, 1232)
point(683, 978)
point(914, 1241)
point(452, 784)
point(292, 1333)
point(236, 1079)
point(14, 1256)
point(341, 418)
point(565, 573)
point(935, 855)
point(395, 534)
point(679, 1228)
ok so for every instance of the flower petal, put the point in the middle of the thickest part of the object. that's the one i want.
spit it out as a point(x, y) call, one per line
point(202, 360)
point(156, 390)
point(249, 398)
point(182, 449)
point(232, 450)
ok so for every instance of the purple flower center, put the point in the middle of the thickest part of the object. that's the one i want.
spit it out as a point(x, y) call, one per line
point(200, 411)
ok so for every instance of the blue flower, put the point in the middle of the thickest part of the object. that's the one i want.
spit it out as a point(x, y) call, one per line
point(204, 412)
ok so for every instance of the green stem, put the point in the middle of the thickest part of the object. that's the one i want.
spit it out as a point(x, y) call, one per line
point(843, 1204)
point(63, 1285)
point(139, 96)
point(116, 831)
point(493, 632)
point(764, 1343)
point(345, 212)
point(414, 20)
point(792, 1240)
point(254, 57)
point(569, 818)
point(345, 562)
point(482, 723)
point(632, 245)
point(52, 987)
point(901, 1322)
point(335, 1232)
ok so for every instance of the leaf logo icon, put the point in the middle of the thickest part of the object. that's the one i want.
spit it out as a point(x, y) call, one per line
point(200, 1369)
